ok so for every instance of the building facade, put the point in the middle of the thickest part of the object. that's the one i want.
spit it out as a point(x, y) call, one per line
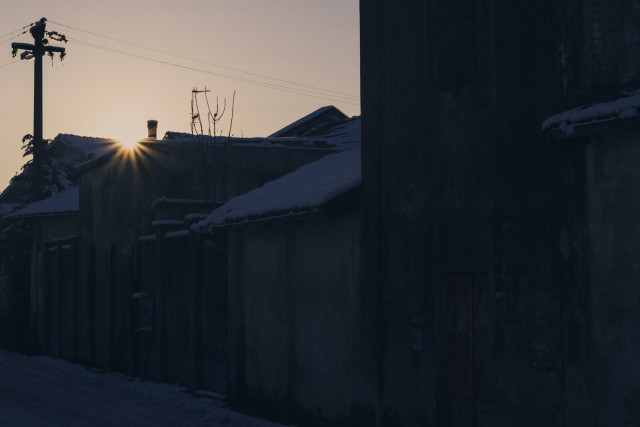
point(476, 228)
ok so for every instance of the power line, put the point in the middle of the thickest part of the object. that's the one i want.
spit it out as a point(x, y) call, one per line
point(328, 97)
point(9, 63)
point(11, 38)
point(343, 94)
point(15, 31)
point(240, 79)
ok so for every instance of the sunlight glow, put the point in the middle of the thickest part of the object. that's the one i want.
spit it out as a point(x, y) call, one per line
point(129, 143)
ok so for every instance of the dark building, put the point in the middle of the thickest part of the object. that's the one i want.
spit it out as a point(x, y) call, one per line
point(121, 280)
point(478, 238)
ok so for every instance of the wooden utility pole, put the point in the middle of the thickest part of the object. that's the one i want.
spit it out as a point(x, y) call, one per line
point(36, 51)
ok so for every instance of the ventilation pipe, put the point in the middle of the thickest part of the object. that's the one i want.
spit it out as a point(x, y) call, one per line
point(152, 128)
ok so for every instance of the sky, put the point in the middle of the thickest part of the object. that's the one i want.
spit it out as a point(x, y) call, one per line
point(103, 88)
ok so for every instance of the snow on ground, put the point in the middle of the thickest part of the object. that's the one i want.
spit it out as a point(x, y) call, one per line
point(42, 391)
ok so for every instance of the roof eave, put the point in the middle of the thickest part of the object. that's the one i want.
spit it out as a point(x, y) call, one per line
point(266, 220)
point(43, 214)
point(344, 202)
point(587, 129)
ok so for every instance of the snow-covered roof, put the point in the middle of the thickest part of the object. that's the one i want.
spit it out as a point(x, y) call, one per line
point(65, 202)
point(304, 190)
point(89, 146)
point(342, 135)
point(325, 128)
point(332, 113)
point(345, 133)
point(7, 208)
point(624, 107)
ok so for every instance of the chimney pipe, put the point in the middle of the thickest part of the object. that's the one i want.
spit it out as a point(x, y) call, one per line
point(152, 128)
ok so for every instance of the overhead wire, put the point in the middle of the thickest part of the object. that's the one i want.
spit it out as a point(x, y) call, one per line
point(15, 31)
point(11, 38)
point(9, 63)
point(343, 94)
point(305, 92)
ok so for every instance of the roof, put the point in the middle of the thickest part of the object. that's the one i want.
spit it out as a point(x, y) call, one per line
point(325, 128)
point(344, 134)
point(65, 152)
point(7, 208)
point(88, 146)
point(309, 124)
point(564, 124)
point(63, 203)
point(305, 190)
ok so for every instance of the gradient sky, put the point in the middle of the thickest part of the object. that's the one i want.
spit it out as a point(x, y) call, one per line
point(96, 92)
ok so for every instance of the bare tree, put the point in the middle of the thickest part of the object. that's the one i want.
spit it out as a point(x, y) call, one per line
point(208, 142)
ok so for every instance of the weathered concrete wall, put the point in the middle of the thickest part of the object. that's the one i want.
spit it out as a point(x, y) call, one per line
point(266, 341)
point(459, 179)
point(323, 265)
point(614, 235)
point(295, 320)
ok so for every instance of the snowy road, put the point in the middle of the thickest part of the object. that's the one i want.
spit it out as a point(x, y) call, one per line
point(41, 391)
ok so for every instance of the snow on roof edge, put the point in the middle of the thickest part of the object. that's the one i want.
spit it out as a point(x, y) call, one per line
point(304, 190)
point(624, 107)
point(65, 202)
point(300, 121)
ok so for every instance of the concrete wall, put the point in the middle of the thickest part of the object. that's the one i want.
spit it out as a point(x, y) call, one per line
point(614, 263)
point(460, 180)
point(294, 319)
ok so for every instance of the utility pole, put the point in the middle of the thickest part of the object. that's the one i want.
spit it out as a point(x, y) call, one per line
point(36, 51)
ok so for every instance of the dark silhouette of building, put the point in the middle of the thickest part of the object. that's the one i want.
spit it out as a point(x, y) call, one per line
point(485, 267)
point(123, 279)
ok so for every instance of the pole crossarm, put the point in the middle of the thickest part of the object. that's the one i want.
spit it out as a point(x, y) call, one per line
point(51, 49)
point(30, 47)
point(25, 46)
point(40, 47)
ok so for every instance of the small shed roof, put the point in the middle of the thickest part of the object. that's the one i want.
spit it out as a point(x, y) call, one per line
point(63, 203)
point(304, 190)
